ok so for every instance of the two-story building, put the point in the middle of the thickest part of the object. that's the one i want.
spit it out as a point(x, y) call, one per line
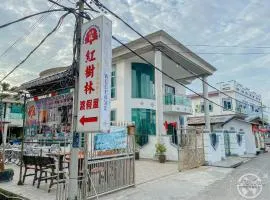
point(153, 101)
point(239, 106)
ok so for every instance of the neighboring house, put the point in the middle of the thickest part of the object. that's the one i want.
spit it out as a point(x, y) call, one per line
point(11, 115)
point(157, 104)
point(235, 115)
point(249, 102)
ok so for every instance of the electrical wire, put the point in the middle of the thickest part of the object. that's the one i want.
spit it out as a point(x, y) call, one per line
point(100, 5)
point(223, 46)
point(32, 28)
point(41, 42)
point(80, 14)
point(164, 73)
point(29, 16)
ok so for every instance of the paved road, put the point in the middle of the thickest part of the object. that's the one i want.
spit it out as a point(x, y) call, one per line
point(177, 186)
point(226, 189)
point(204, 183)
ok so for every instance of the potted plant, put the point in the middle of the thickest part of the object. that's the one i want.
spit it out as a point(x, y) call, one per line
point(160, 152)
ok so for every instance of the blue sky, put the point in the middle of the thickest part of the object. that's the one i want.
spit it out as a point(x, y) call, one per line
point(193, 22)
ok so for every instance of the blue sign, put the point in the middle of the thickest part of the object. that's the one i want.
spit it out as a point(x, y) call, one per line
point(116, 139)
point(76, 140)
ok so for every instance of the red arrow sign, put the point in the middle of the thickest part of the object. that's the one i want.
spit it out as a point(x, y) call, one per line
point(88, 119)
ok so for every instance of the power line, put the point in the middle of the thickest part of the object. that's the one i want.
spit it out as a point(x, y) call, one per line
point(224, 46)
point(164, 73)
point(41, 42)
point(81, 15)
point(29, 16)
point(32, 28)
point(100, 5)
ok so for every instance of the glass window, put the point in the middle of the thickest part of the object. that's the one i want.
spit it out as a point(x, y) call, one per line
point(113, 115)
point(227, 104)
point(145, 121)
point(113, 82)
point(211, 107)
point(143, 81)
point(202, 108)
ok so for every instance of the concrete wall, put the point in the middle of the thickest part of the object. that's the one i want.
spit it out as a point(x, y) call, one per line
point(238, 125)
point(236, 148)
point(148, 151)
point(214, 154)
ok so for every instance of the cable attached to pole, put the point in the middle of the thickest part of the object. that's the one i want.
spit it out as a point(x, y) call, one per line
point(40, 43)
point(29, 16)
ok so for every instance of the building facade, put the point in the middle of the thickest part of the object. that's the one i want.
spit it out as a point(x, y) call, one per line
point(148, 96)
point(243, 101)
point(11, 116)
point(235, 113)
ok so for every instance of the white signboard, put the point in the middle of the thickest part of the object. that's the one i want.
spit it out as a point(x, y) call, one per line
point(95, 76)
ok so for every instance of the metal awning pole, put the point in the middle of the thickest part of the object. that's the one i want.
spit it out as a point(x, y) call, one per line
point(22, 143)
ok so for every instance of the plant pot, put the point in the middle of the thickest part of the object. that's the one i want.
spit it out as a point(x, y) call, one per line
point(162, 158)
point(131, 130)
point(137, 155)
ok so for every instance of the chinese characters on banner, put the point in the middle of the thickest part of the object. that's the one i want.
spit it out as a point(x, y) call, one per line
point(49, 118)
point(94, 76)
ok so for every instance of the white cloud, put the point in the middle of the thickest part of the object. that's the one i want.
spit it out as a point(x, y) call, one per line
point(242, 22)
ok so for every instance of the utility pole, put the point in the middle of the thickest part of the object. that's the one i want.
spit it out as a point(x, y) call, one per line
point(73, 182)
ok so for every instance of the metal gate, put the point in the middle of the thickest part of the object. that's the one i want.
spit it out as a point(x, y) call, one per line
point(108, 170)
point(190, 148)
point(227, 143)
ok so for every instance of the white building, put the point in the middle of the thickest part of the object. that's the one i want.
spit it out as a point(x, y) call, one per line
point(248, 102)
point(146, 96)
point(234, 113)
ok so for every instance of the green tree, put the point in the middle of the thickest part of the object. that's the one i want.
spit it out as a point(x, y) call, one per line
point(5, 86)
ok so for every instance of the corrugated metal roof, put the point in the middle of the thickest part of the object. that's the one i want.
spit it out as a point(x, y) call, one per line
point(213, 119)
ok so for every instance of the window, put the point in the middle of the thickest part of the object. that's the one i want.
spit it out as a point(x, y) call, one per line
point(227, 104)
point(252, 108)
point(113, 115)
point(113, 82)
point(145, 121)
point(210, 107)
point(169, 95)
point(143, 81)
point(202, 108)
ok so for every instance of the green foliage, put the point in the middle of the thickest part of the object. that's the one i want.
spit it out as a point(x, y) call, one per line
point(5, 86)
point(160, 148)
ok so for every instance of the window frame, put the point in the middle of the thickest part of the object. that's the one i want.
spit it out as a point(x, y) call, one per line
point(225, 107)
point(114, 88)
point(139, 95)
point(113, 110)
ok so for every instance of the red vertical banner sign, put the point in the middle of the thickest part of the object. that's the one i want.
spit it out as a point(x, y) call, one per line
point(95, 76)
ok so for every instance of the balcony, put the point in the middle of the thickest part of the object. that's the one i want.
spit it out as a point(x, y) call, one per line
point(178, 104)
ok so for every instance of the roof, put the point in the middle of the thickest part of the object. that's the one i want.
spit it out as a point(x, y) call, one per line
point(217, 119)
point(169, 45)
point(210, 94)
point(51, 81)
point(161, 39)
point(256, 120)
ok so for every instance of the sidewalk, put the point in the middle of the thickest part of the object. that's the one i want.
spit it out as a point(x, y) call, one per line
point(231, 162)
point(183, 185)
